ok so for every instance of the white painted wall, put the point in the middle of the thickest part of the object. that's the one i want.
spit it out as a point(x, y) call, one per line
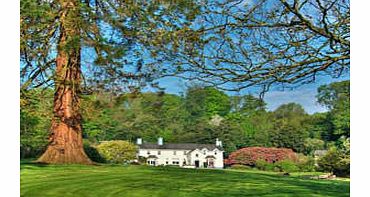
point(168, 156)
point(201, 155)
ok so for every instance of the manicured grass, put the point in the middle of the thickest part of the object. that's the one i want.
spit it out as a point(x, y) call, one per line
point(114, 180)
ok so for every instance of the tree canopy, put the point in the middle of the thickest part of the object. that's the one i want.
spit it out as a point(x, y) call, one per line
point(150, 115)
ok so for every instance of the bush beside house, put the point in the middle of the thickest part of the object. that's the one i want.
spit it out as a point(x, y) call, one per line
point(117, 151)
point(270, 159)
point(92, 152)
point(250, 155)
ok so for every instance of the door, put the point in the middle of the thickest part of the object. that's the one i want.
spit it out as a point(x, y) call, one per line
point(211, 164)
point(196, 162)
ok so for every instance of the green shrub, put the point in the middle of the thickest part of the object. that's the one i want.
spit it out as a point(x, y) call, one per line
point(336, 162)
point(287, 166)
point(142, 160)
point(264, 165)
point(261, 164)
point(306, 163)
point(240, 167)
point(93, 153)
point(270, 167)
point(117, 151)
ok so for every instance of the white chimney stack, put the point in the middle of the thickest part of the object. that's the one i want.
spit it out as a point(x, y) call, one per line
point(218, 142)
point(160, 141)
point(139, 141)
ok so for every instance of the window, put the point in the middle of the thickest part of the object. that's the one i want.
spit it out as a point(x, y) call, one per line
point(175, 162)
point(185, 152)
point(204, 152)
point(159, 152)
point(215, 152)
point(148, 162)
point(148, 152)
point(196, 155)
point(166, 162)
point(174, 152)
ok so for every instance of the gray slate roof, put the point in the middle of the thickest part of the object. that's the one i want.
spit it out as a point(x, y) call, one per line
point(180, 146)
point(152, 156)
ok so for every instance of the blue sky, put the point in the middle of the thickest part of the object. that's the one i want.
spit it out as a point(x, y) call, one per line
point(304, 94)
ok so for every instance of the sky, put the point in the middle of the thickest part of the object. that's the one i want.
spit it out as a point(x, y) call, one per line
point(304, 94)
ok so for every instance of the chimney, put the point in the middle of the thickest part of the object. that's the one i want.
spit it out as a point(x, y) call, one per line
point(160, 141)
point(139, 141)
point(218, 142)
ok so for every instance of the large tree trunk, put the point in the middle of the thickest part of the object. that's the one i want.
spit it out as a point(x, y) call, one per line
point(65, 141)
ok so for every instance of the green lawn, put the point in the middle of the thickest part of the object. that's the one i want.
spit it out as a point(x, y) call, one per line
point(108, 180)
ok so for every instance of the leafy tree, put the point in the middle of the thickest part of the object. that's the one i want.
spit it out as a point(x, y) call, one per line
point(206, 101)
point(247, 104)
point(290, 110)
point(312, 144)
point(35, 117)
point(289, 128)
point(232, 135)
point(336, 96)
point(319, 126)
point(286, 135)
point(55, 36)
point(128, 116)
point(333, 94)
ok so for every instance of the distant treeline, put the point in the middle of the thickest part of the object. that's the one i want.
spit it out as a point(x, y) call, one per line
point(200, 116)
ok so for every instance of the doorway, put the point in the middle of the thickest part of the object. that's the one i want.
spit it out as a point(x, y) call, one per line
point(196, 162)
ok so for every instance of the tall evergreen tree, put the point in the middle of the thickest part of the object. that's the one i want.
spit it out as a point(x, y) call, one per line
point(55, 33)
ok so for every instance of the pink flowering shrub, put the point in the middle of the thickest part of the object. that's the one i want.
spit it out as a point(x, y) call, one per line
point(250, 155)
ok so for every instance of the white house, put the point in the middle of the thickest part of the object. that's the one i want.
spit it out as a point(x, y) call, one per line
point(186, 155)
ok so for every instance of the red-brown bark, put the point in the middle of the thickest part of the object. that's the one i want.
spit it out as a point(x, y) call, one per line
point(65, 141)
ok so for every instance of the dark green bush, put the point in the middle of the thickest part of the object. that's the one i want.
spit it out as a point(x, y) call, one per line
point(241, 167)
point(117, 151)
point(264, 165)
point(142, 160)
point(280, 166)
point(31, 152)
point(306, 163)
point(336, 162)
point(287, 166)
point(93, 153)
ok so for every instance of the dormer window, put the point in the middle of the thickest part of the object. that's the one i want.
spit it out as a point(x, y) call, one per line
point(204, 152)
point(215, 152)
point(148, 152)
point(196, 155)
